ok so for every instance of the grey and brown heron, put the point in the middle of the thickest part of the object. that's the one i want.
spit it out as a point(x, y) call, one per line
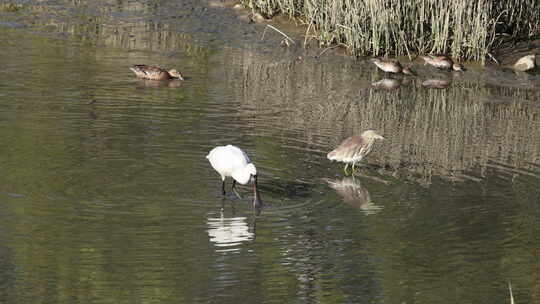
point(353, 149)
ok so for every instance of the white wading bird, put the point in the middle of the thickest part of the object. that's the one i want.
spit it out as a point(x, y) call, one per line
point(232, 161)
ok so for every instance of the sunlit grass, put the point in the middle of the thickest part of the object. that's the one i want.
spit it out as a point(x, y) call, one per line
point(464, 29)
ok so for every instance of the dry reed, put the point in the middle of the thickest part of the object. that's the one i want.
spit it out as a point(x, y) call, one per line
point(464, 29)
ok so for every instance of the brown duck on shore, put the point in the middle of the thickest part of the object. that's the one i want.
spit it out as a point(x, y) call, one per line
point(442, 62)
point(155, 73)
point(391, 66)
point(525, 63)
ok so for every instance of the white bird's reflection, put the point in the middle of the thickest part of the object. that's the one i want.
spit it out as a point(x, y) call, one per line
point(229, 231)
point(354, 194)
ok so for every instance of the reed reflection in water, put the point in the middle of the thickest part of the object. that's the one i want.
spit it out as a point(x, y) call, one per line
point(457, 133)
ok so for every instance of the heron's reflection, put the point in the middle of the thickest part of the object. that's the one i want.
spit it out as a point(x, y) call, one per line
point(354, 194)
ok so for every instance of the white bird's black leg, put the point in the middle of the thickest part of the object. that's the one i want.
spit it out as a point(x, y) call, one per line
point(223, 188)
point(233, 188)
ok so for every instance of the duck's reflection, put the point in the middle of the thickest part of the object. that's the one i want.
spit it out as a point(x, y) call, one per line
point(354, 194)
point(436, 83)
point(146, 83)
point(387, 84)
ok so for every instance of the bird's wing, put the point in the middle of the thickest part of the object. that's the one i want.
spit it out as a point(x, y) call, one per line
point(346, 149)
point(226, 159)
point(238, 155)
point(148, 69)
point(220, 160)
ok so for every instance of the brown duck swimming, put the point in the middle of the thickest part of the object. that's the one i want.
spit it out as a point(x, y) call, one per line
point(442, 62)
point(391, 66)
point(155, 73)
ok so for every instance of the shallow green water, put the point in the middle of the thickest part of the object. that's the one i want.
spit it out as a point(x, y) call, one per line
point(106, 195)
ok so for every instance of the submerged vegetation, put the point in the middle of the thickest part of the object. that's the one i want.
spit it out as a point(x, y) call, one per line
point(464, 29)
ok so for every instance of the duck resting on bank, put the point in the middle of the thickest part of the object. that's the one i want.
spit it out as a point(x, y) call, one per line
point(155, 73)
point(525, 63)
point(391, 66)
point(442, 62)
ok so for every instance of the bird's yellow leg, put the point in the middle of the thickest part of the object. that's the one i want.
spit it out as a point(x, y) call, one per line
point(345, 169)
point(353, 168)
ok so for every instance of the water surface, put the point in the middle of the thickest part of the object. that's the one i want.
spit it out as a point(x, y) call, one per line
point(106, 195)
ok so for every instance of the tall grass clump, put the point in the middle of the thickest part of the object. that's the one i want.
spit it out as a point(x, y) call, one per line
point(465, 29)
